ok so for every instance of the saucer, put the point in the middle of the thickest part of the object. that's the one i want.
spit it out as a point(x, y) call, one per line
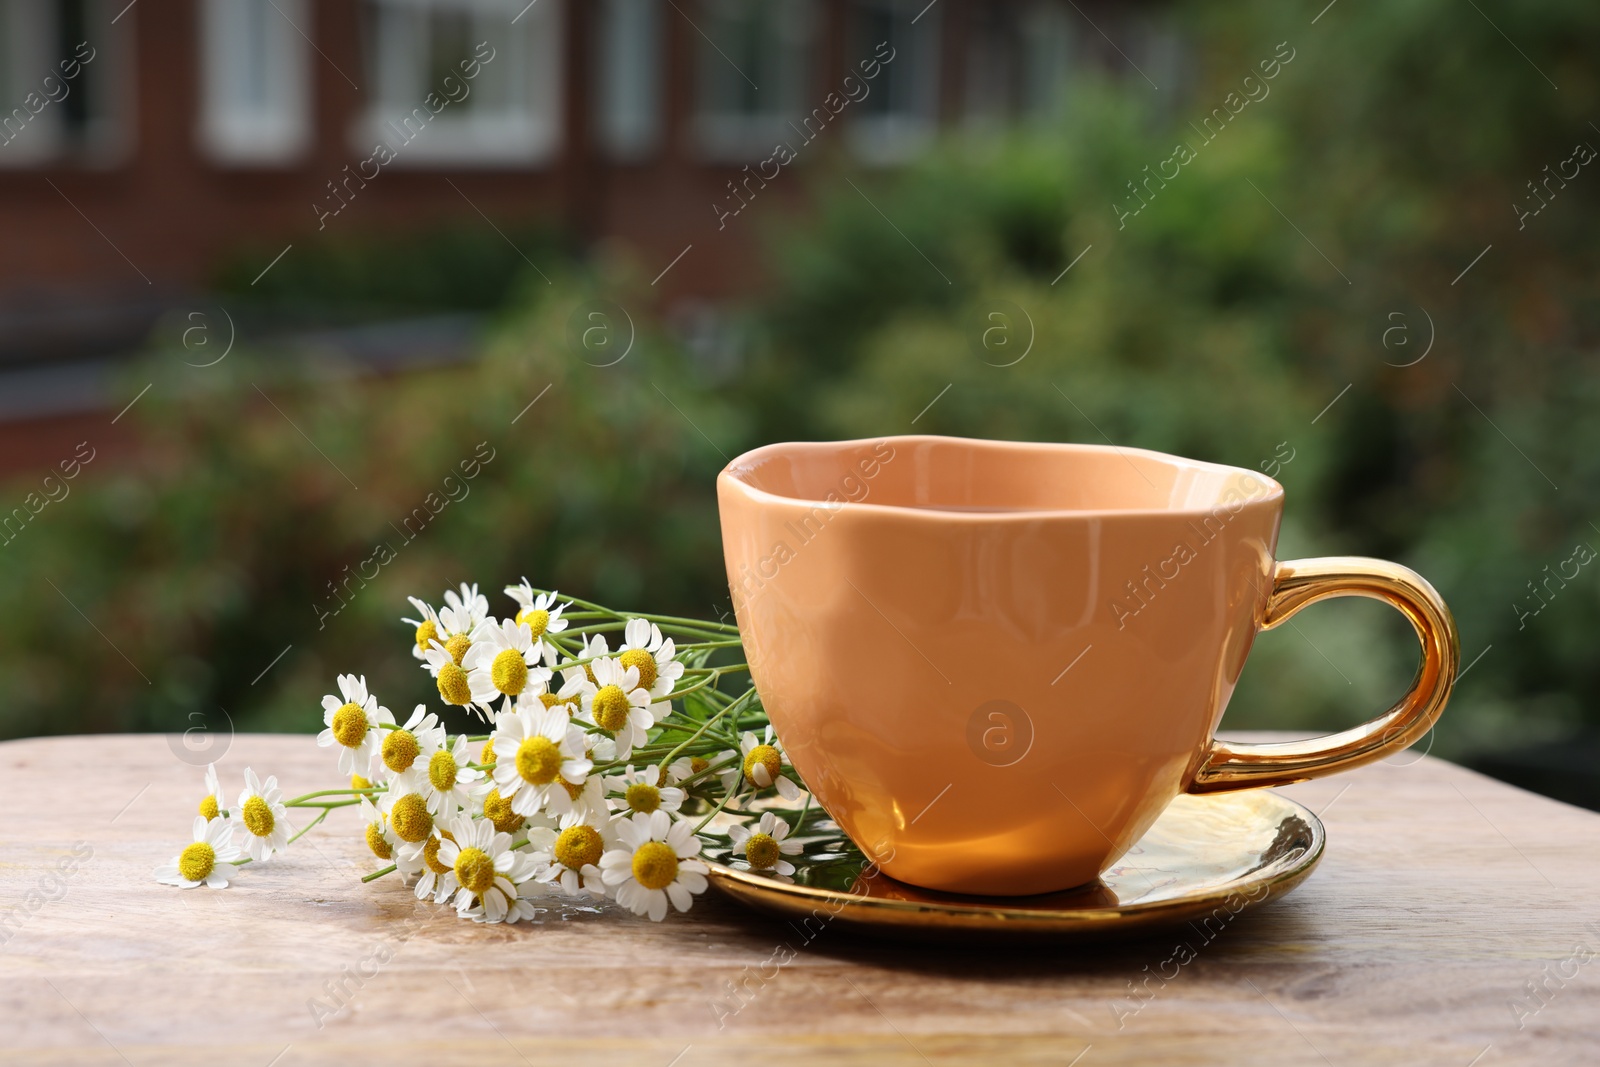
point(1205, 860)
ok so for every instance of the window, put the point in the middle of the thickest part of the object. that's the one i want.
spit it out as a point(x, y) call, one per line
point(255, 99)
point(62, 89)
point(1017, 57)
point(429, 111)
point(628, 84)
point(901, 115)
point(754, 67)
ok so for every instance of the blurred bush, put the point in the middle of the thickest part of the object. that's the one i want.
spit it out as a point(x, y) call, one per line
point(1245, 315)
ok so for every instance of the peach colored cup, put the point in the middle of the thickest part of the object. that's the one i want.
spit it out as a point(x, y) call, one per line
point(995, 664)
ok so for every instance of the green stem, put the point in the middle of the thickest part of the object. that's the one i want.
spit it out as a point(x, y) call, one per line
point(302, 832)
point(379, 874)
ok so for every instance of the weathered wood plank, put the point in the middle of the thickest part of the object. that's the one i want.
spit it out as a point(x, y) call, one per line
point(1442, 895)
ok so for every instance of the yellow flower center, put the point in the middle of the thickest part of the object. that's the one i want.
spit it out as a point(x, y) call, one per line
point(457, 647)
point(539, 760)
point(350, 725)
point(763, 756)
point(430, 856)
point(509, 671)
point(761, 850)
point(573, 791)
point(535, 619)
point(378, 843)
point(410, 818)
point(698, 764)
point(644, 661)
point(442, 771)
point(578, 847)
point(358, 782)
point(486, 753)
point(208, 807)
point(197, 861)
point(550, 700)
point(611, 708)
point(453, 685)
point(655, 865)
point(475, 870)
point(497, 809)
point(642, 797)
point(427, 634)
point(400, 750)
point(258, 817)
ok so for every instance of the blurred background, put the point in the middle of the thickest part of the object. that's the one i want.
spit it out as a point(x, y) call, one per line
point(307, 306)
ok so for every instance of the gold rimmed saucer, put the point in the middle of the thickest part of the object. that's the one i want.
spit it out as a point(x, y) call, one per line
point(1206, 859)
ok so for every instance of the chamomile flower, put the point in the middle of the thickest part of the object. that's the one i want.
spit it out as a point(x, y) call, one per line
point(201, 863)
point(375, 831)
point(652, 655)
point(535, 748)
point(729, 768)
point(468, 607)
point(424, 630)
point(261, 818)
point(571, 858)
point(353, 724)
point(438, 879)
point(211, 803)
point(418, 739)
point(449, 784)
point(763, 764)
point(502, 664)
point(406, 808)
point(615, 702)
point(541, 614)
point(485, 869)
point(448, 673)
point(655, 865)
point(643, 790)
point(764, 847)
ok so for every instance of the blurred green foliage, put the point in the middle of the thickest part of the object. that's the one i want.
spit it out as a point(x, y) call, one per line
point(1240, 316)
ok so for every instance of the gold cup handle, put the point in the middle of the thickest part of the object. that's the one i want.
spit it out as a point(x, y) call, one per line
point(1296, 584)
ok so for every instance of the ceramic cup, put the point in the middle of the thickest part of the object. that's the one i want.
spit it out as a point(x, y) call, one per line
point(996, 663)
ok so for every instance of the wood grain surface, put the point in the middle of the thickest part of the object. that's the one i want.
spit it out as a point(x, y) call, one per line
point(1453, 921)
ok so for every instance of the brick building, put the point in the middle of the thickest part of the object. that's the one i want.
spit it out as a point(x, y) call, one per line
point(141, 141)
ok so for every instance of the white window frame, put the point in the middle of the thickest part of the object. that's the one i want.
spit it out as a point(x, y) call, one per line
point(737, 136)
point(887, 139)
point(30, 32)
point(528, 48)
point(272, 131)
point(629, 88)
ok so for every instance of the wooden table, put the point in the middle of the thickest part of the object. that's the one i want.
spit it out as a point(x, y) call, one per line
point(1444, 901)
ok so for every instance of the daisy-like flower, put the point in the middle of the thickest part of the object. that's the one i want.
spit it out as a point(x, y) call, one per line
point(449, 784)
point(764, 847)
point(535, 748)
point(418, 739)
point(353, 724)
point(380, 839)
point(541, 614)
point(263, 818)
point(652, 655)
point(211, 803)
point(763, 764)
point(503, 663)
point(425, 629)
point(485, 869)
point(468, 606)
point(438, 879)
point(201, 863)
point(643, 790)
point(406, 808)
point(571, 858)
point(616, 703)
point(655, 865)
point(729, 767)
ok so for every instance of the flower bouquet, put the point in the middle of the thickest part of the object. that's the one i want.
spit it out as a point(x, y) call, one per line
point(601, 771)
